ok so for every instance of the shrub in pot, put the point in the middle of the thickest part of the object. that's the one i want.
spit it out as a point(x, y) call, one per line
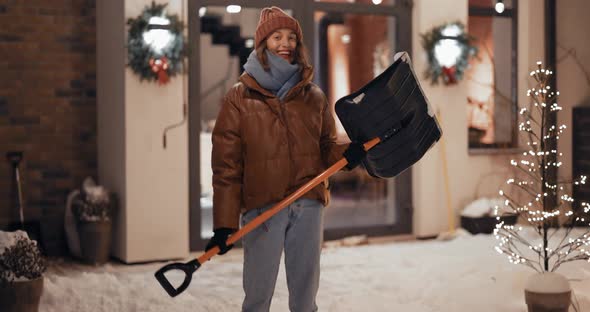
point(93, 209)
point(479, 216)
point(21, 272)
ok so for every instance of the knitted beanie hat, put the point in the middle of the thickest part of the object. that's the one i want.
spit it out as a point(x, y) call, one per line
point(274, 18)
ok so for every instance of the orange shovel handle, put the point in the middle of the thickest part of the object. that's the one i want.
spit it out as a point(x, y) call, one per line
point(284, 203)
point(190, 267)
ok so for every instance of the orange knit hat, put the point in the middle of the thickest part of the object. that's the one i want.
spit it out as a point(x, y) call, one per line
point(272, 19)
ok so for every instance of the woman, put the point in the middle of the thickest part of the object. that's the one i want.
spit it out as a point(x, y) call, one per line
point(275, 133)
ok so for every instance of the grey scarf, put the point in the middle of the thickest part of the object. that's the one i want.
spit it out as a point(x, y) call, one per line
point(281, 77)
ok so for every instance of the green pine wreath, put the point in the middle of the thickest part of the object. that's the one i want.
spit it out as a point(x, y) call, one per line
point(139, 53)
point(435, 71)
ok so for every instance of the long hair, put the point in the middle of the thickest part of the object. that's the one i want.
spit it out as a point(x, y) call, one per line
point(301, 55)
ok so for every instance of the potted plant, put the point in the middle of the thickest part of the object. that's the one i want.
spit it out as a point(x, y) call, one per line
point(479, 216)
point(557, 231)
point(93, 210)
point(21, 272)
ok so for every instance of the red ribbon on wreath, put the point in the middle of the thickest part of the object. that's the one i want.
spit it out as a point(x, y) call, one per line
point(450, 74)
point(160, 67)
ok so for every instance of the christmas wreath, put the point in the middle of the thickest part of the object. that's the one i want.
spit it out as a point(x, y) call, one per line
point(155, 44)
point(449, 49)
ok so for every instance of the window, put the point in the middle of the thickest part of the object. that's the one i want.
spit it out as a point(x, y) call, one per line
point(491, 78)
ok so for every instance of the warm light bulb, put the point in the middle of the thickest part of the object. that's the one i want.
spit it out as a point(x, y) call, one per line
point(500, 7)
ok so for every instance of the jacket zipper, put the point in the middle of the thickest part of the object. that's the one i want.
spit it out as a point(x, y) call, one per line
point(292, 166)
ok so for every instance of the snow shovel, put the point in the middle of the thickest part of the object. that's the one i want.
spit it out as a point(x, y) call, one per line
point(405, 115)
point(15, 158)
point(393, 100)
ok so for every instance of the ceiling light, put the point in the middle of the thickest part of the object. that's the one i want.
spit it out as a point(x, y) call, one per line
point(345, 38)
point(231, 9)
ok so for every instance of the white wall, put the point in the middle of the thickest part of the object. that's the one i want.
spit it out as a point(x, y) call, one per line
point(152, 181)
point(469, 175)
point(157, 178)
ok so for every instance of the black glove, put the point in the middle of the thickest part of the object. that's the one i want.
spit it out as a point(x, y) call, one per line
point(219, 238)
point(354, 154)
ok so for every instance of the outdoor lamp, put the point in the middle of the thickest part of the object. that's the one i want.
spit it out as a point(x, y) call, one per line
point(155, 44)
point(499, 6)
point(447, 50)
point(158, 34)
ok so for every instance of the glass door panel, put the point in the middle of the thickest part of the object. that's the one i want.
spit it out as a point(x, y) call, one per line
point(351, 50)
point(226, 40)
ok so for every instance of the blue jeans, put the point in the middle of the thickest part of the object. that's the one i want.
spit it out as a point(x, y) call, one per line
point(296, 230)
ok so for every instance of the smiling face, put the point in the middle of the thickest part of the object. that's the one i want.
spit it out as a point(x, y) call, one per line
point(283, 42)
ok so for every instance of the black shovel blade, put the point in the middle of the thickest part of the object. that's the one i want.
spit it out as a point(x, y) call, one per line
point(392, 107)
point(188, 268)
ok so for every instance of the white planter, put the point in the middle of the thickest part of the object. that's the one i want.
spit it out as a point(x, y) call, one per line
point(547, 292)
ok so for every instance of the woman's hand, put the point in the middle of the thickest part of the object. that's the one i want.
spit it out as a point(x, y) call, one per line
point(219, 238)
point(354, 154)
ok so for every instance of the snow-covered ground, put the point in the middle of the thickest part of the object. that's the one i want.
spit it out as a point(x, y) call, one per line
point(463, 274)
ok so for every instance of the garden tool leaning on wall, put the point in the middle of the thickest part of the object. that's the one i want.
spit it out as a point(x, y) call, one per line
point(390, 114)
point(15, 158)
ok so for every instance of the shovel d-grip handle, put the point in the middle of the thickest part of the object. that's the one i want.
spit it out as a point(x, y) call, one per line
point(190, 267)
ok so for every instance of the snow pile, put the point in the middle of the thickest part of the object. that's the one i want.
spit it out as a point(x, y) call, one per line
point(464, 274)
point(8, 239)
point(547, 283)
point(483, 207)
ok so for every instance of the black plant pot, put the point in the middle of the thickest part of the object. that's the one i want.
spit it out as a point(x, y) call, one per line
point(95, 241)
point(486, 224)
point(21, 296)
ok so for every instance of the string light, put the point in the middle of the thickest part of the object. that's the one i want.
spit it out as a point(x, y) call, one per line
point(535, 211)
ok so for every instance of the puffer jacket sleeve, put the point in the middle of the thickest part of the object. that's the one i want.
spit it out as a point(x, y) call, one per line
point(227, 164)
point(331, 152)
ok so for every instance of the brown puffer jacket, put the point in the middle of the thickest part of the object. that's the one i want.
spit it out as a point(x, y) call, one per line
point(264, 149)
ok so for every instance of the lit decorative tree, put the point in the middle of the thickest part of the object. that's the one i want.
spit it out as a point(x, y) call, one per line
point(552, 221)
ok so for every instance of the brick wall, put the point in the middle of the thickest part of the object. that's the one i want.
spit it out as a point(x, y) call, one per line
point(47, 108)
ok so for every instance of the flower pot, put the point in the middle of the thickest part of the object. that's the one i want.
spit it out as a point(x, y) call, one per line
point(21, 296)
point(95, 241)
point(485, 224)
point(547, 292)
